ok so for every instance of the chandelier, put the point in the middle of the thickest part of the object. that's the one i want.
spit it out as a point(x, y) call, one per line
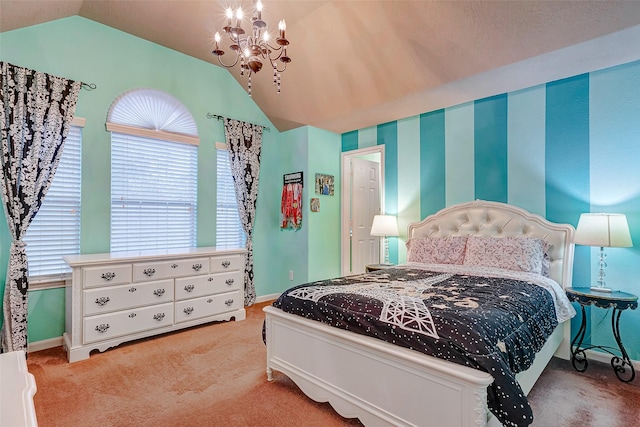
point(252, 49)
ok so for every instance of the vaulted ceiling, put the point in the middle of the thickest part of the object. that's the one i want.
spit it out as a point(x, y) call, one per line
point(357, 63)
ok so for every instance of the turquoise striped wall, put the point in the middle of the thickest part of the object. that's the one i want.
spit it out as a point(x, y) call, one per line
point(558, 149)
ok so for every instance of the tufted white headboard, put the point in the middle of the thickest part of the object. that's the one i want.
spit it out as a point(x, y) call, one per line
point(494, 219)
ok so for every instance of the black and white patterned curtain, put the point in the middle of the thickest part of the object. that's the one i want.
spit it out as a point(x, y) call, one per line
point(35, 116)
point(245, 142)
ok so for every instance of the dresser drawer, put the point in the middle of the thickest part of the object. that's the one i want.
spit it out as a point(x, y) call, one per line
point(192, 287)
point(106, 326)
point(168, 269)
point(116, 274)
point(227, 263)
point(208, 306)
point(115, 298)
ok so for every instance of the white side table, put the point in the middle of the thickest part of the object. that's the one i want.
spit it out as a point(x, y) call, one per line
point(17, 387)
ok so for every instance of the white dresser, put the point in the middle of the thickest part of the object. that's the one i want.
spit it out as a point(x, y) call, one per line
point(114, 298)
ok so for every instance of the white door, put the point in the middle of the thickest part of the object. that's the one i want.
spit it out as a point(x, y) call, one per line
point(365, 203)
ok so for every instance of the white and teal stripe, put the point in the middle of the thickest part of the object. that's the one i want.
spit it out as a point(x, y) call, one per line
point(558, 150)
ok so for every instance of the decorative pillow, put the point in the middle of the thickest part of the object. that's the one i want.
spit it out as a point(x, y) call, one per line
point(436, 250)
point(511, 253)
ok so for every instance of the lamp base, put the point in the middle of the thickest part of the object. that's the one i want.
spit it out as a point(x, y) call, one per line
point(599, 289)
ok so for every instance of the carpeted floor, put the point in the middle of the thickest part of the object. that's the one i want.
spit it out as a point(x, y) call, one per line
point(564, 397)
point(214, 375)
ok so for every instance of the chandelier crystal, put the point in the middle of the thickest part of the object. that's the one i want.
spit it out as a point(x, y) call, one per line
point(252, 49)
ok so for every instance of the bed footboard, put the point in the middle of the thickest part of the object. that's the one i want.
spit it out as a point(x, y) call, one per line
point(379, 383)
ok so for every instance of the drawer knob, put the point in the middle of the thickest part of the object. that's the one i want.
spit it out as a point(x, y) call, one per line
point(149, 272)
point(158, 317)
point(133, 289)
point(108, 276)
point(229, 282)
point(102, 301)
point(210, 279)
point(188, 310)
point(158, 292)
point(229, 302)
point(174, 265)
point(189, 288)
point(102, 328)
point(226, 264)
point(132, 315)
point(196, 267)
point(210, 300)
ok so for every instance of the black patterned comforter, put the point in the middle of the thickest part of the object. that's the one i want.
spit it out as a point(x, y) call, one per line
point(492, 324)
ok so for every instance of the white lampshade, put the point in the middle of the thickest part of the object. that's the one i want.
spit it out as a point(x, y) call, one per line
point(384, 225)
point(604, 230)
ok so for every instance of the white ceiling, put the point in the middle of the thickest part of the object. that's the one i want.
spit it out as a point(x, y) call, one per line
point(358, 63)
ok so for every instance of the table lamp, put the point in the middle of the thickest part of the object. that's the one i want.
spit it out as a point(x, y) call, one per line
point(606, 231)
point(385, 225)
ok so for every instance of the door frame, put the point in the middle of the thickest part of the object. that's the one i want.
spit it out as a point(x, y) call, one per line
point(345, 214)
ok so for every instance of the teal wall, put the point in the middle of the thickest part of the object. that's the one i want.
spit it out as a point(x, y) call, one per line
point(324, 226)
point(281, 250)
point(558, 149)
point(82, 49)
point(313, 251)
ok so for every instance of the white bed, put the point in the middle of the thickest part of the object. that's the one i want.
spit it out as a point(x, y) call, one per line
point(358, 375)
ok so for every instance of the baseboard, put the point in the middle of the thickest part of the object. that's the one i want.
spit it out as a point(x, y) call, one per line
point(270, 297)
point(600, 356)
point(44, 344)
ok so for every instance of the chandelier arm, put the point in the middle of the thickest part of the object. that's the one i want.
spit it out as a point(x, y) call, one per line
point(228, 66)
point(273, 48)
point(275, 58)
point(281, 71)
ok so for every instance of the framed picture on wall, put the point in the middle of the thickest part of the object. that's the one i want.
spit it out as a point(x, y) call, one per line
point(324, 184)
point(315, 204)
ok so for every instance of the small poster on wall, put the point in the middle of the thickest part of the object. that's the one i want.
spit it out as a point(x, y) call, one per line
point(291, 201)
point(315, 204)
point(324, 184)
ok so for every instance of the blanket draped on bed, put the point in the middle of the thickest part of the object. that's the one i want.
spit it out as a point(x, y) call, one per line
point(492, 324)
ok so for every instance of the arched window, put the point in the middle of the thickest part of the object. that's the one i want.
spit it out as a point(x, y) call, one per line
point(154, 172)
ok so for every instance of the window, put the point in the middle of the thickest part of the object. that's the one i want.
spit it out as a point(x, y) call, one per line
point(55, 230)
point(153, 194)
point(154, 172)
point(229, 232)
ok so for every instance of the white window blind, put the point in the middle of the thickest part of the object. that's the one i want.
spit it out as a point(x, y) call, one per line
point(229, 232)
point(55, 230)
point(153, 194)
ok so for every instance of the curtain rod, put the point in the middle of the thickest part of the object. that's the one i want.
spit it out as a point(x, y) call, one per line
point(88, 86)
point(219, 117)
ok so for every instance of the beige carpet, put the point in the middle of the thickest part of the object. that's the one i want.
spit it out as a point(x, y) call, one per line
point(214, 375)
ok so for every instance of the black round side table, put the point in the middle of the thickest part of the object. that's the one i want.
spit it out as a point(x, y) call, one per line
point(620, 301)
point(375, 267)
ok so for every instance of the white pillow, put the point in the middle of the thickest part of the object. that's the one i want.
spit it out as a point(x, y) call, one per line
point(511, 253)
point(436, 250)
